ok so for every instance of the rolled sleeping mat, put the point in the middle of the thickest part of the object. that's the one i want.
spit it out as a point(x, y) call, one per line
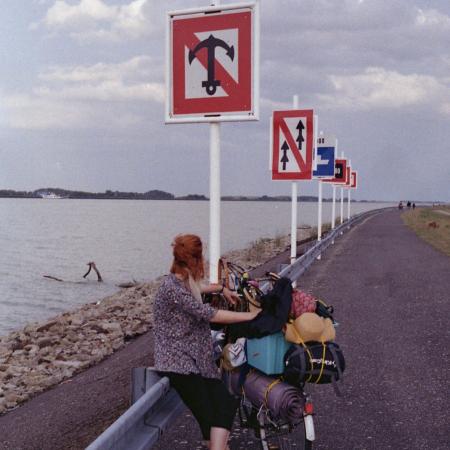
point(285, 402)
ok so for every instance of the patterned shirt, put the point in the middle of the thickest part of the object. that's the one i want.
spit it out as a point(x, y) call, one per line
point(182, 334)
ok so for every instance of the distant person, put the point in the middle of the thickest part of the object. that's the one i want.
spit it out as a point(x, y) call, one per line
point(408, 204)
point(400, 205)
point(183, 345)
point(414, 206)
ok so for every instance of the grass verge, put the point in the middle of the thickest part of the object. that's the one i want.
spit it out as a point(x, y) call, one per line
point(431, 225)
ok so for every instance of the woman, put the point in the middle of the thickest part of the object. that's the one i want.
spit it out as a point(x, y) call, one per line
point(183, 346)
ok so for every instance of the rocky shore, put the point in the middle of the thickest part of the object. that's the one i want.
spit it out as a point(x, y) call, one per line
point(42, 355)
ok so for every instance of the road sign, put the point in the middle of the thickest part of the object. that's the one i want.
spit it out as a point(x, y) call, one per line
point(325, 157)
point(292, 144)
point(340, 172)
point(353, 179)
point(348, 176)
point(212, 72)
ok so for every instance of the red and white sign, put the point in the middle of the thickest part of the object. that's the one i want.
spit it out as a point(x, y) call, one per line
point(353, 179)
point(348, 177)
point(340, 172)
point(212, 69)
point(292, 144)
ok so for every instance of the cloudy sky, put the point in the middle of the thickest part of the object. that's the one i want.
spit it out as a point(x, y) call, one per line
point(82, 96)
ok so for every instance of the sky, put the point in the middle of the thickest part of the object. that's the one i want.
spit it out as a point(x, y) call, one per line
point(82, 97)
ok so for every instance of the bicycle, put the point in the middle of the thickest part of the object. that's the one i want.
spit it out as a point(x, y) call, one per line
point(271, 433)
point(278, 434)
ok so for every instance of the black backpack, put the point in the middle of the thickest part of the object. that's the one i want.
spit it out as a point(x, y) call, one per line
point(314, 362)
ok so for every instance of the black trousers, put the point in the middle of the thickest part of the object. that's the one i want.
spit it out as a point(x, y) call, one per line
point(207, 398)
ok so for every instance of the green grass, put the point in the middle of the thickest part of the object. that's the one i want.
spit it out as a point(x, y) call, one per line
point(419, 220)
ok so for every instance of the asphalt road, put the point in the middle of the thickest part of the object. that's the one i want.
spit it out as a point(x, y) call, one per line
point(390, 291)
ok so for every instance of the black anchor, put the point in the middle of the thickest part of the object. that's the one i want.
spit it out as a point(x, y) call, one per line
point(210, 44)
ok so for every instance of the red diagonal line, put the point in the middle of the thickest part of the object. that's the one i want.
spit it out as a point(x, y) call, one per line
point(227, 82)
point(287, 134)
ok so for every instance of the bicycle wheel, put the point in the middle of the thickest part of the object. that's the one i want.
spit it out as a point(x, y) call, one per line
point(278, 439)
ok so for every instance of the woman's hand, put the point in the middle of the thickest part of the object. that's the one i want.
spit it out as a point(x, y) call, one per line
point(230, 296)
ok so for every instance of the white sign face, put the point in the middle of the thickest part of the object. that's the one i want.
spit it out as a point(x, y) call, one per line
point(212, 70)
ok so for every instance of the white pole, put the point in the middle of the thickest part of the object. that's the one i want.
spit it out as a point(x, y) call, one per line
point(294, 204)
point(348, 195)
point(333, 209)
point(348, 208)
point(319, 200)
point(342, 198)
point(214, 196)
point(214, 201)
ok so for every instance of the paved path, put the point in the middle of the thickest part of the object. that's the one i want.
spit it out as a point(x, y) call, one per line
point(390, 291)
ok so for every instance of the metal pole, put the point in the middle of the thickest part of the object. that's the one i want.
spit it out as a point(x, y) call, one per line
point(319, 218)
point(294, 204)
point(348, 208)
point(214, 195)
point(333, 209)
point(342, 198)
point(214, 201)
point(348, 194)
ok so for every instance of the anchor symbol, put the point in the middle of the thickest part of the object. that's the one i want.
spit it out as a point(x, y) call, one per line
point(210, 44)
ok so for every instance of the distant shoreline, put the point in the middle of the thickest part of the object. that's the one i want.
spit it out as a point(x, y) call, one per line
point(57, 194)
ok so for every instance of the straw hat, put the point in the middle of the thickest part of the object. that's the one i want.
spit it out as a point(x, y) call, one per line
point(310, 327)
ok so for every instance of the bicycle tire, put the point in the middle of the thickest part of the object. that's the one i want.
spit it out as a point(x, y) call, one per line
point(295, 440)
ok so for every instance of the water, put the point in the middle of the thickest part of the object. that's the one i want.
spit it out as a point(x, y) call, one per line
point(127, 240)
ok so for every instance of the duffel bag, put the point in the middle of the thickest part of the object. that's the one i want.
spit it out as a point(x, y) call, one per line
point(314, 362)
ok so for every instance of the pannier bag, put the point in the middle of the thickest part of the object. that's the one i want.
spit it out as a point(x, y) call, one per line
point(313, 362)
point(301, 303)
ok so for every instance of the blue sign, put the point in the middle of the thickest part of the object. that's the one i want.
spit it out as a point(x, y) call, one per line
point(325, 162)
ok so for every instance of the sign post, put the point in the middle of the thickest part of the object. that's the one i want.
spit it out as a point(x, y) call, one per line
point(292, 136)
point(294, 203)
point(348, 190)
point(212, 76)
point(342, 196)
point(325, 168)
point(333, 208)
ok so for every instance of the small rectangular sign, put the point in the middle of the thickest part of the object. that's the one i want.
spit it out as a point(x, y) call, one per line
point(292, 133)
point(340, 172)
point(324, 160)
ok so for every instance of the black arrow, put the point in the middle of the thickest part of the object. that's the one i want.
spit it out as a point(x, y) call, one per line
point(300, 127)
point(284, 159)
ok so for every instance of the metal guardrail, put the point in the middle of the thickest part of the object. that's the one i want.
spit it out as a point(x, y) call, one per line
point(298, 267)
point(154, 404)
point(154, 407)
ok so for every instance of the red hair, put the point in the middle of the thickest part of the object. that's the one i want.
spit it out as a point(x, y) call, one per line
point(188, 256)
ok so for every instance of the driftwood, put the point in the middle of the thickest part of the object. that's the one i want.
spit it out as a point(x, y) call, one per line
point(52, 278)
point(93, 267)
point(128, 284)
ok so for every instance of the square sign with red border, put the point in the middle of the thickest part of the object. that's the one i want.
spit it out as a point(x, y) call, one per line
point(212, 70)
point(340, 172)
point(348, 176)
point(292, 144)
point(353, 179)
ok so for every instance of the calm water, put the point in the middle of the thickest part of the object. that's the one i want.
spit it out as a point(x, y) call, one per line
point(127, 240)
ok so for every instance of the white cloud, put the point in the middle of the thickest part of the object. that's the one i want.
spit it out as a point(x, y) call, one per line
point(91, 20)
point(376, 87)
point(79, 96)
point(432, 18)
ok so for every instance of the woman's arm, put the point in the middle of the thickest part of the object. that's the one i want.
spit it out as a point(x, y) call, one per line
point(228, 317)
point(229, 295)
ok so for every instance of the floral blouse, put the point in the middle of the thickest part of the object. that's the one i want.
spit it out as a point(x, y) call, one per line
point(182, 333)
